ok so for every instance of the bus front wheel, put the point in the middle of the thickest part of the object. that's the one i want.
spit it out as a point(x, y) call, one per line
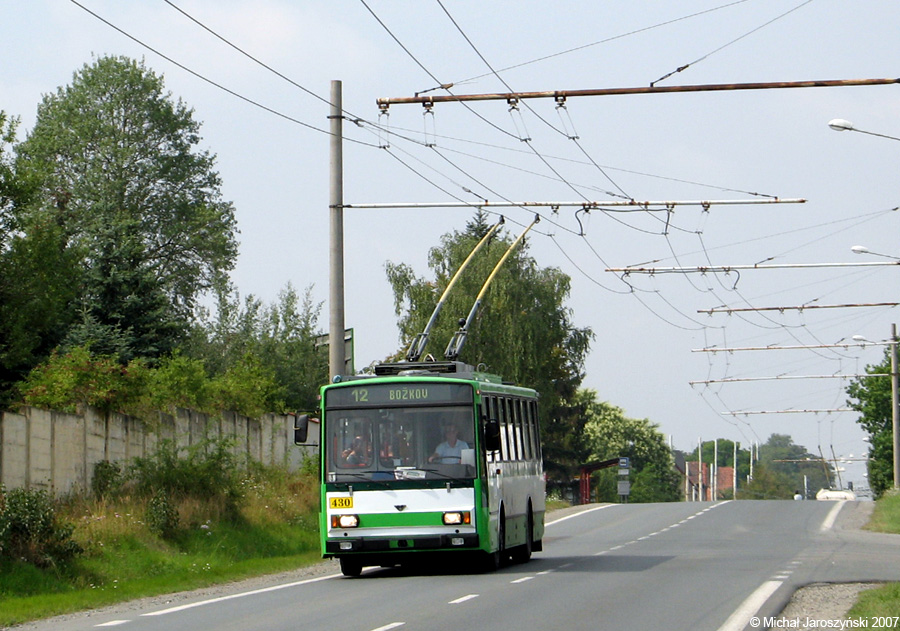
point(494, 560)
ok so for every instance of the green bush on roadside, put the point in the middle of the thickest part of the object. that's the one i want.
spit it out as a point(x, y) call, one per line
point(206, 470)
point(107, 480)
point(80, 377)
point(30, 530)
point(162, 516)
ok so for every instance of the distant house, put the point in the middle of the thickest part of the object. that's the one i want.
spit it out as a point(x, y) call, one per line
point(718, 481)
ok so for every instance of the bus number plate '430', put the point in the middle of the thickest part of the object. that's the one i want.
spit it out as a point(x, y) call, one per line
point(340, 502)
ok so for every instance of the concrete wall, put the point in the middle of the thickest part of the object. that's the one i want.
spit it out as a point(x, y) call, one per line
point(42, 449)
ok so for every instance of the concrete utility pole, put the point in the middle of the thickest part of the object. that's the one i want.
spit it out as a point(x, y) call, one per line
point(336, 244)
point(700, 468)
point(715, 473)
point(734, 462)
point(895, 423)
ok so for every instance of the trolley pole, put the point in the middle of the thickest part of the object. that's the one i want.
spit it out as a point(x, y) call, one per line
point(336, 359)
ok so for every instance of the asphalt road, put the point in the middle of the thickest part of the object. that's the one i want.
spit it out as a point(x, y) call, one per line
point(690, 566)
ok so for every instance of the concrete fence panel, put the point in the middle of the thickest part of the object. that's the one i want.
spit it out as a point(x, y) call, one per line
point(42, 449)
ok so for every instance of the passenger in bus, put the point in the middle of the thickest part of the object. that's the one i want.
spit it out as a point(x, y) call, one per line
point(449, 451)
point(356, 455)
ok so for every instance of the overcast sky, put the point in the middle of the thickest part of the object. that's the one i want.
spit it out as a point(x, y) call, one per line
point(746, 145)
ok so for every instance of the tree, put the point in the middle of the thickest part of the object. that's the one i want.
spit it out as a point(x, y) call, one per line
point(523, 330)
point(282, 335)
point(871, 397)
point(782, 468)
point(38, 274)
point(117, 168)
point(611, 434)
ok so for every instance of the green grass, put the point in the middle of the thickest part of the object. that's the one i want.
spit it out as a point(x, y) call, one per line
point(556, 504)
point(273, 529)
point(881, 601)
point(886, 516)
point(884, 600)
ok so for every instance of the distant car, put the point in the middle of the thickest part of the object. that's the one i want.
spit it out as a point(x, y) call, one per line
point(832, 494)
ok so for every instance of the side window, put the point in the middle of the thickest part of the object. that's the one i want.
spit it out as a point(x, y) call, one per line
point(515, 426)
point(489, 411)
point(527, 451)
point(536, 428)
point(504, 429)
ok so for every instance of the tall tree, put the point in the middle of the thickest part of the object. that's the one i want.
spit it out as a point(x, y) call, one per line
point(782, 468)
point(611, 434)
point(38, 274)
point(118, 166)
point(871, 397)
point(282, 335)
point(523, 330)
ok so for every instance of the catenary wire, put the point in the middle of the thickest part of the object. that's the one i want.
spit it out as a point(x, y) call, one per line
point(208, 80)
point(724, 46)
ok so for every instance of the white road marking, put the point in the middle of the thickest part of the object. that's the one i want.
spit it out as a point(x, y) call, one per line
point(112, 623)
point(741, 616)
point(521, 580)
point(463, 599)
point(392, 625)
point(832, 516)
point(573, 515)
point(211, 601)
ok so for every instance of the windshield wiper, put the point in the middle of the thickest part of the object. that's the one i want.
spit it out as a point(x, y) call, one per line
point(445, 476)
point(363, 478)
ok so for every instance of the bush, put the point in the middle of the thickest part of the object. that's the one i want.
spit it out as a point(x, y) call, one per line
point(179, 381)
point(162, 516)
point(30, 531)
point(207, 470)
point(249, 388)
point(107, 480)
point(78, 377)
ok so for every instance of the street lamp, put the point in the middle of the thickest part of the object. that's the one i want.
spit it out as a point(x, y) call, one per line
point(839, 124)
point(861, 249)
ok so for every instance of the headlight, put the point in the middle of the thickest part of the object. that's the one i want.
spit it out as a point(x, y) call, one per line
point(457, 518)
point(344, 521)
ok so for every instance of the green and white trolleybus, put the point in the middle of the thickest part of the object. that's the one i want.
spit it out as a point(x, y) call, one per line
point(429, 457)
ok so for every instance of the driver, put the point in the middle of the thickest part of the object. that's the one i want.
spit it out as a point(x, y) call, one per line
point(449, 451)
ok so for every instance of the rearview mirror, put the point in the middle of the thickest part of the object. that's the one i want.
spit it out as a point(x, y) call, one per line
point(301, 428)
point(492, 435)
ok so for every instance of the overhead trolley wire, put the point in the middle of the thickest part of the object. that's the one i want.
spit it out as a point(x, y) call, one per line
point(597, 43)
point(724, 46)
point(624, 195)
point(206, 79)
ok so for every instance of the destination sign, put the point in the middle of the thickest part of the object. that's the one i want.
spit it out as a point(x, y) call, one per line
point(397, 394)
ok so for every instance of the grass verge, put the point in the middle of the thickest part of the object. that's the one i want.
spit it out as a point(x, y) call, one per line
point(885, 600)
point(272, 528)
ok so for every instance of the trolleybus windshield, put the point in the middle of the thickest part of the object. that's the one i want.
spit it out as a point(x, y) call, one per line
point(400, 443)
